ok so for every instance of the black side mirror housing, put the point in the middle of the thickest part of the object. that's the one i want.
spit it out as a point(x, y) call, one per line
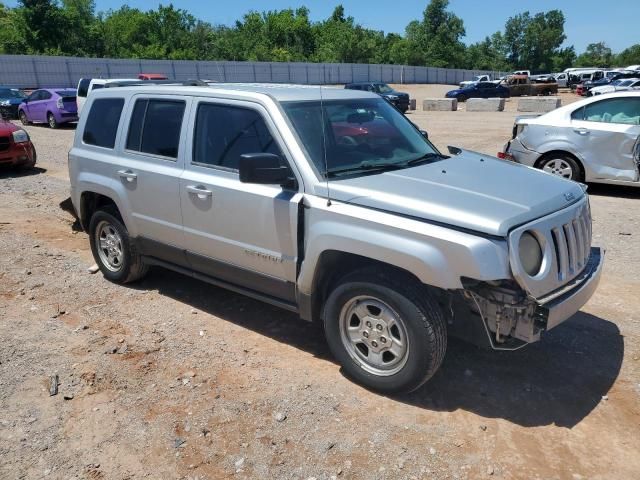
point(425, 134)
point(264, 169)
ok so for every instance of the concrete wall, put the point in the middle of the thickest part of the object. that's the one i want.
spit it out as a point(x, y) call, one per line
point(35, 71)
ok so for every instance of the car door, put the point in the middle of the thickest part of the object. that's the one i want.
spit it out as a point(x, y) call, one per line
point(31, 105)
point(41, 106)
point(242, 234)
point(152, 162)
point(606, 133)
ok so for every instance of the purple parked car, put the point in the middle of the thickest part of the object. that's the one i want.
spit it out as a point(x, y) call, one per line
point(49, 105)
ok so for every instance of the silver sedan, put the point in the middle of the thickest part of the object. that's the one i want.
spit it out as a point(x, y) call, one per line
point(593, 140)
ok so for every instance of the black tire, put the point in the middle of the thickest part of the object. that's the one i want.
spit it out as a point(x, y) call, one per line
point(51, 121)
point(130, 266)
point(422, 321)
point(461, 98)
point(23, 118)
point(546, 163)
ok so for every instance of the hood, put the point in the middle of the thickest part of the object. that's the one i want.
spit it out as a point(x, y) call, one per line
point(469, 191)
point(6, 127)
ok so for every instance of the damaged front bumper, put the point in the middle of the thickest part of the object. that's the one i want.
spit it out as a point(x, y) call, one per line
point(511, 320)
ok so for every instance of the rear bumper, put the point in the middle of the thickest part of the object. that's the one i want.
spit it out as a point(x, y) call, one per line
point(515, 151)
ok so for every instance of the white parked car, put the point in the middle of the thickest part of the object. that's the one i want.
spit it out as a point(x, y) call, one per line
point(622, 85)
point(477, 79)
point(593, 140)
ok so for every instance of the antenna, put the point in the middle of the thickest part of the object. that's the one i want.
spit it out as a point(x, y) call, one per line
point(324, 148)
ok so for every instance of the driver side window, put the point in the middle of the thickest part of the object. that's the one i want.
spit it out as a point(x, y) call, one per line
point(223, 133)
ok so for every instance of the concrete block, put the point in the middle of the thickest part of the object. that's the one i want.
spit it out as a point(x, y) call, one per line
point(412, 104)
point(440, 105)
point(485, 105)
point(539, 104)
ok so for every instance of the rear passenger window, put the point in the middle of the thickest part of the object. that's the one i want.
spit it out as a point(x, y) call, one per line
point(102, 123)
point(155, 127)
point(224, 133)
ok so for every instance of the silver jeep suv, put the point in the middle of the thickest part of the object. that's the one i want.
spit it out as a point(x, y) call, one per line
point(330, 203)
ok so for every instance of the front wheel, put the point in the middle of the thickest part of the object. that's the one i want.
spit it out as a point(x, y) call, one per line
point(461, 98)
point(562, 166)
point(23, 118)
point(112, 248)
point(385, 331)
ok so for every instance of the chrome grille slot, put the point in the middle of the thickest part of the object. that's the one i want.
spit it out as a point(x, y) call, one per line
point(562, 256)
point(571, 247)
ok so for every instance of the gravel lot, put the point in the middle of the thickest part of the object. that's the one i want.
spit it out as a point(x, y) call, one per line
point(174, 379)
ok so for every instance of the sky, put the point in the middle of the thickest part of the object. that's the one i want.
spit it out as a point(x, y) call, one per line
point(587, 21)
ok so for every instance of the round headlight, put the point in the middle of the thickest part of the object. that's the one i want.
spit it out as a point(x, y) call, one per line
point(530, 254)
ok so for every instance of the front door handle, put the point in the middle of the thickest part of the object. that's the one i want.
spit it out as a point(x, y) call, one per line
point(581, 131)
point(128, 175)
point(200, 191)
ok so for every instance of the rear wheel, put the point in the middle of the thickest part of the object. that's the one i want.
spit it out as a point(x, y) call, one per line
point(51, 120)
point(562, 165)
point(385, 331)
point(112, 248)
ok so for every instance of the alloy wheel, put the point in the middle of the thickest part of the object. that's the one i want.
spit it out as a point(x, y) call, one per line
point(109, 246)
point(560, 167)
point(374, 335)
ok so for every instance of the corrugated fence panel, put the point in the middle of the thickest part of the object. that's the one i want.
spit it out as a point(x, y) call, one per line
point(40, 71)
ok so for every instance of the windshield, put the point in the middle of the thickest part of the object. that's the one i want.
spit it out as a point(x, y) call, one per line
point(11, 93)
point(383, 88)
point(625, 83)
point(66, 93)
point(361, 134)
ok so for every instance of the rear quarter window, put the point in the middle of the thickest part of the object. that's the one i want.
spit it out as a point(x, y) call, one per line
point(102, 122)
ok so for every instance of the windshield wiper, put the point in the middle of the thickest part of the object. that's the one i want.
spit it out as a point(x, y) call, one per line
point(366, 166)
point(427, 157)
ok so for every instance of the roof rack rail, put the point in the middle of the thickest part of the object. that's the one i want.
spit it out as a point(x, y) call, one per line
point(134, 83)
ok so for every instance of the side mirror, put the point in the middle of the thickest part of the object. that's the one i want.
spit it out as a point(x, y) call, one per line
point(425, 134)
point(264, 169)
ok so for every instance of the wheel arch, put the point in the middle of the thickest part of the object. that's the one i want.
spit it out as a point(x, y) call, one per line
point(90, 202)
point(553, 152)
point(334, 265)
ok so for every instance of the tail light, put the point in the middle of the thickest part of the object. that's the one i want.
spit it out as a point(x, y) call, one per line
point(60, 104)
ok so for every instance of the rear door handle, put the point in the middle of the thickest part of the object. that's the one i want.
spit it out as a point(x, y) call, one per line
point(200, 191)
point(581, 131)
point(128, 175)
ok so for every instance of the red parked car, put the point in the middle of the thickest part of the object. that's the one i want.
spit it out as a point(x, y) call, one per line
point(16, 149)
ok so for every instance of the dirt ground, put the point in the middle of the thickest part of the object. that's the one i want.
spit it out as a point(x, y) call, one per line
point(174, 379)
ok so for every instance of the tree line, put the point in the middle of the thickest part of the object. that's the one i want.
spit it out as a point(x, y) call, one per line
point(75, 28)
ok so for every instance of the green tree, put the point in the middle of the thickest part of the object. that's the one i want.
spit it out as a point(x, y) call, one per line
point(532, 42)
point(596, 55)
point(436, 40)
point(629, 56)
point(12, 40)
